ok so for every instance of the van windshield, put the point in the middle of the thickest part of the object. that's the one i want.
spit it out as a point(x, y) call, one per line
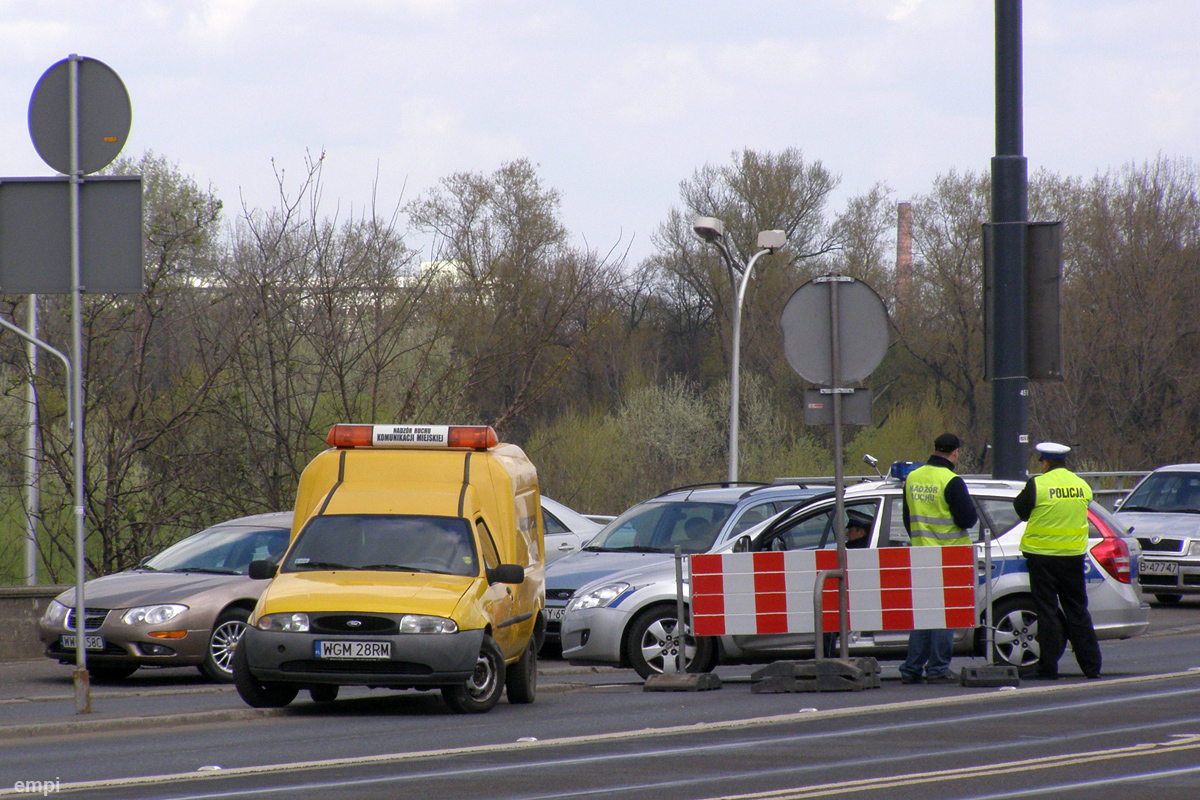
point(652, 527)
point(384, 543)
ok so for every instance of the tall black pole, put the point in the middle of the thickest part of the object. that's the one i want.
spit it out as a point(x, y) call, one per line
point(1010, 214)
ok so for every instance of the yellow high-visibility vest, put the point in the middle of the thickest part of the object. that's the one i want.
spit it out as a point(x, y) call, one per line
point(929, 514)
point(1058, 524)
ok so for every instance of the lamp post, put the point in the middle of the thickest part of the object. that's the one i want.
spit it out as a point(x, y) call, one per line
point(712, 230)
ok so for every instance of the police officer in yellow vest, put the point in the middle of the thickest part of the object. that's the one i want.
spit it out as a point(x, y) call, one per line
point(937, 512)
point(1054, 506)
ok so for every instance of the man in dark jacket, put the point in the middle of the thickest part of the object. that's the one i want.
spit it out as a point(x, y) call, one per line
point(937, 513)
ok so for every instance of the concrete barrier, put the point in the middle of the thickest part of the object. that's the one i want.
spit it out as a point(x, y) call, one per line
point(20, 609)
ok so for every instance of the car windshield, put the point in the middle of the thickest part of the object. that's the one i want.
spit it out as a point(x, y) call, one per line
point(224, 550)
point(384, 543)
point(1166, 491)
point(656, 527)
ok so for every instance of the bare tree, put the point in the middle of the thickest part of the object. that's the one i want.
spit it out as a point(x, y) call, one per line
point(524, 299)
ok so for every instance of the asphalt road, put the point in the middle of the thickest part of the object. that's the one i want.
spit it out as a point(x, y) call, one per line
point(596, 733)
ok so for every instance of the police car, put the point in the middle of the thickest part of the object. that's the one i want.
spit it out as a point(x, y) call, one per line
point(629, 618)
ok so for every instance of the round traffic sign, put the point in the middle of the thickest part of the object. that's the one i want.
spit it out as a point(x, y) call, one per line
point(807, 332)
point(104, 115)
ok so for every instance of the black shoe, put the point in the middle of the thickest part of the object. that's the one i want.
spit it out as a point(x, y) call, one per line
point(911, 678)
point(1095, 676)
point(950, 676)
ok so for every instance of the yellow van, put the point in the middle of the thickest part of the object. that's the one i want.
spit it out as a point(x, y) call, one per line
point(415, 561)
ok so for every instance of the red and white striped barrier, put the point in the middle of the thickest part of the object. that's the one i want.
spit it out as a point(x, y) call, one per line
point(892, 588)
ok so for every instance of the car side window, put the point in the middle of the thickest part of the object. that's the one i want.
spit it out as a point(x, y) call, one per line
point(897, 536)
point(491, 555)
point(863, 513)
point(551, 523)
point(807, 533)
point(1000, 513)
point(752, 516)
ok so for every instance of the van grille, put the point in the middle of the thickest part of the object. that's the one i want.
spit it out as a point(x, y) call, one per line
point(354, 623)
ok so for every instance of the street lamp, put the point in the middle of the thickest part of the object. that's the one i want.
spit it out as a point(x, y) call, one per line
point(712, 230)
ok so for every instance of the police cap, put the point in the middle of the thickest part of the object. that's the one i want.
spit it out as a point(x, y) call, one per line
point(857, 519)
point(1051, 450)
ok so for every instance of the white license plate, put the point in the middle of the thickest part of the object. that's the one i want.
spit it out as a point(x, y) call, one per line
point(555, 614)
point(356, 651)
point(1148, 567)
point(90, 642)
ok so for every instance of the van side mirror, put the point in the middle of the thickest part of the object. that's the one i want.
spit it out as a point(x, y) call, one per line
point(742, 545)
point(262, 570)
point(506, 573)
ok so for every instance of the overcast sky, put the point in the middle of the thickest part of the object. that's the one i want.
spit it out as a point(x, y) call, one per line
point(616, 102)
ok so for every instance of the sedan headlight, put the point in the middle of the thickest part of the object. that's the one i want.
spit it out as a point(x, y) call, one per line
point(288, 623)
point(1194, 548)
point(419, 623)
point(598, 598)
point(152, 615)
point(55, 614)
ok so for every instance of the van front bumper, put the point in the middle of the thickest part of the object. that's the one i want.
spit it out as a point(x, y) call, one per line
point(416, 659)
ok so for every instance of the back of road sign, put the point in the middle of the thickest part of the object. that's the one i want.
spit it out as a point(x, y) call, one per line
point(104, 116)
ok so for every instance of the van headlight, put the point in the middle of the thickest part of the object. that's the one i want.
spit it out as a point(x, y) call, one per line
point(421, 623)
point(152, 615)
point(598, 598)
point(56, 612)
point(287, 623)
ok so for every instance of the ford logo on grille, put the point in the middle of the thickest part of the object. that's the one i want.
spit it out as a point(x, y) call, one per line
point(353, 623)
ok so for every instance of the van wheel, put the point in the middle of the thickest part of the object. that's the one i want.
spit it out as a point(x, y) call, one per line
point(521, 680)
point(323, 692)
point(255, 692)
point(1015, 638)
point(480, 692)
point(650, 640)
point(227, 631)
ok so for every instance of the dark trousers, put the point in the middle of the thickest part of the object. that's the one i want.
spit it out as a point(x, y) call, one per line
point(1058, 581)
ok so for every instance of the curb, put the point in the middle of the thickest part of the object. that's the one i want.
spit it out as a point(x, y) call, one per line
point(78, 726)
point(107, 724)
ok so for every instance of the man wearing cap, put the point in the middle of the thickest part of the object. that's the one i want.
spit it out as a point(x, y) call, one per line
point(937, 513)
point(1054, 507)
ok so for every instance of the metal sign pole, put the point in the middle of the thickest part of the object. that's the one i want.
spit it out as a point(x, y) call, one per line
point(83, 695)
point(838, 476)
point(32, 471)
point(678, 663)
point(987, 595)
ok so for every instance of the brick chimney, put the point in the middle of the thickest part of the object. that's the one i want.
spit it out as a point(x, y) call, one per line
point(904, 258)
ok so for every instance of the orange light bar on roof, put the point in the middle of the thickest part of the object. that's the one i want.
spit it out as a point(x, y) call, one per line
point(477, 437)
